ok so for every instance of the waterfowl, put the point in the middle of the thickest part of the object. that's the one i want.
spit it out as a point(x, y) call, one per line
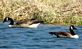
point(70, 34)
point(31, 23)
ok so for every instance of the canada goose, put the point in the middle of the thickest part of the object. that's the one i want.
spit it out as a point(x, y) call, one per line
point(31, 23)
point(70, 34)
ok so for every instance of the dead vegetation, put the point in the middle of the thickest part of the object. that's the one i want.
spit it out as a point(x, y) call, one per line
point(63, 12)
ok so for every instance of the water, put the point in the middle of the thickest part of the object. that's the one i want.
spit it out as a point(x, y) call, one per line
point(38, 38)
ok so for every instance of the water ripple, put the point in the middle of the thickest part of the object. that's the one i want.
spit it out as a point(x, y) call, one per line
point(38, 38)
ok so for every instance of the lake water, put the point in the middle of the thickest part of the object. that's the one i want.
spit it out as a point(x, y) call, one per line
point(38, 38)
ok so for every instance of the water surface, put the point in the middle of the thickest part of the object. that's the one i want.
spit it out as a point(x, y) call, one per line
point(38, 38)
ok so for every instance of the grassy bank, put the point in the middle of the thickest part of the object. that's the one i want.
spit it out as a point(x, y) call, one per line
point(63, 12)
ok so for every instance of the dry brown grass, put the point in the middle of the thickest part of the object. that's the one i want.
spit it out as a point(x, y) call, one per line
point(63, 12)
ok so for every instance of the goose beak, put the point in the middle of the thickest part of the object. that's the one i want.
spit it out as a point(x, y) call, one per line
point(3, 21)
point(75, 28)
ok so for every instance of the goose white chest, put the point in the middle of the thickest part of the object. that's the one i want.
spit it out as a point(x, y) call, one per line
point(75, 36)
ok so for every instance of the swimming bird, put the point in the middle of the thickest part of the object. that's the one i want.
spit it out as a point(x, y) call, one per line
point(30, 23)
point(70, 34)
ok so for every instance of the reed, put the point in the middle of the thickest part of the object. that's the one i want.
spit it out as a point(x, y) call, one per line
point(62, 12)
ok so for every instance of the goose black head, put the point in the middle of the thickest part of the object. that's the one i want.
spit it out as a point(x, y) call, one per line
point(73, 27)
point(6, 19)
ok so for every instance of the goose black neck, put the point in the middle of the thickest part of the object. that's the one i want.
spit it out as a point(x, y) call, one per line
point(11, 21)
point(72, 32)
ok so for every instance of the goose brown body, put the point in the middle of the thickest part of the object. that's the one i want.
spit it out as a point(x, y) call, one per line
point(31, 23)
point(61, 34)
point(70, 34)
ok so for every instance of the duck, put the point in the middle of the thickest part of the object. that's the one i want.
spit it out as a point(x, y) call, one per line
point(70, 34)
point(30, 23)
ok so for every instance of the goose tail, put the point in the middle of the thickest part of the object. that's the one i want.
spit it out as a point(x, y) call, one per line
point(52, 33)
